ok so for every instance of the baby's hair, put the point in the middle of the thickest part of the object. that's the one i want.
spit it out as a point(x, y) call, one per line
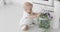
point(28, 3)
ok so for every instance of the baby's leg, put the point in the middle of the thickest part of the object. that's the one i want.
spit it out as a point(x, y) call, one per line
point(25, 24)
point(25, 28)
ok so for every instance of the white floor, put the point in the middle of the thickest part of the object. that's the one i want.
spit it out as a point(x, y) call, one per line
point(9, 18)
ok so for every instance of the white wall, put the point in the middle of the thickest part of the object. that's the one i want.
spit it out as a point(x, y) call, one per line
point(57, 14)
point(22, 1)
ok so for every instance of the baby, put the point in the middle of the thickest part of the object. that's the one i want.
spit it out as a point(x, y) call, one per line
point(28, 8)
point(27, 21)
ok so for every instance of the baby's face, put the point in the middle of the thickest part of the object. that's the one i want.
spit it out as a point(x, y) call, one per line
point(27, 8)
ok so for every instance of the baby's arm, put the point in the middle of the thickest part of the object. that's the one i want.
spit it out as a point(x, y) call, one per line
point(34, 15)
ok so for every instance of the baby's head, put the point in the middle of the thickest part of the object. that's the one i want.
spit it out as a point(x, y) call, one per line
point(28, 7)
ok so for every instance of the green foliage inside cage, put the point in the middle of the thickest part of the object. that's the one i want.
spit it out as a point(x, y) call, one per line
point(44, 24)
point(44, 21)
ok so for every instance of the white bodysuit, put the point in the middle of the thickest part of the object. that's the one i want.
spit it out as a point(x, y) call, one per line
point(28, 21)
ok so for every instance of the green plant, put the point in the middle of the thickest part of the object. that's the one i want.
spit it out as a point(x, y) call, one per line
point(44, 21)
